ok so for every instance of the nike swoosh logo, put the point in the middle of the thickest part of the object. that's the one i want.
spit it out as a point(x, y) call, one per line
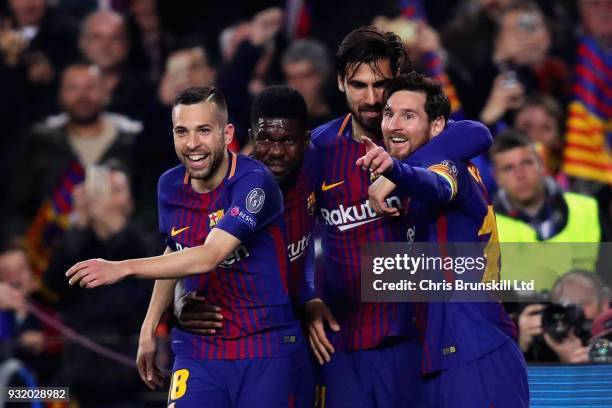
point(326, 187)
point(175, 232)
point(357, 224)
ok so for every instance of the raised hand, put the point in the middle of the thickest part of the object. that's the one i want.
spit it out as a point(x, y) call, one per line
point(376, 159)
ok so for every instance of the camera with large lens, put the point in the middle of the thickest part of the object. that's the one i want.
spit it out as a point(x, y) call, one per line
point(559, 319)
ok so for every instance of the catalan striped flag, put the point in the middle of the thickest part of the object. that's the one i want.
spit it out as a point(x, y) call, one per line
point(52, 219)
point(589, 123)
point(435, 69)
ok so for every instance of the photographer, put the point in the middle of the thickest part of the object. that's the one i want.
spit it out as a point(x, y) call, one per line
point(560, 334)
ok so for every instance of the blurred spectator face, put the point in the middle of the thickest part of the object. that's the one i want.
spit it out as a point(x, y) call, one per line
point(541, 127)
point(15, 270)
point(405, 124)
point(279, 144)
point(104, 40)
point(364, 88)
point(596, 18)
point(200, 138)
point(145, 13)
point(304, 78)
point(520, 172)
point(580, 291)
point(190, 68)
point(28, 12)
point(528, 31)
point(120, 194)
point(184, 68)
point(82, 94)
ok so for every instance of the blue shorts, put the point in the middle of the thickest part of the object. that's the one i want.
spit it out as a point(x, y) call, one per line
point(385, 377)
point(261, 382)
point(304, 378)
point(496, 380)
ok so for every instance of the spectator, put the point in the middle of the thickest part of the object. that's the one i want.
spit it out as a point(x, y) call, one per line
point(520, 55)
point(596, 17)
point(104, 42)
point(28, 44)
point(33, 343)
point(541, 118)
point(56, 154)
point(10, 298)
point(468, 37)
point(587, 159)
point(244, 75)
point(150, 41)
point(111, 316)
point(531, 207)
point(576, 287)
point(306, 66)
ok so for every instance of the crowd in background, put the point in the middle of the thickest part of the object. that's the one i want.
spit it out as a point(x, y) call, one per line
point(86, 93)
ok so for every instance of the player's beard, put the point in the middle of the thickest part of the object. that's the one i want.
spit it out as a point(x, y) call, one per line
point(215, 157)
point(370, 124)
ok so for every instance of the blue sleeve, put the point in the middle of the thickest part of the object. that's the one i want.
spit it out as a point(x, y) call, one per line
point(255, 202)
point(435, 185)
point(307, 284)
point(460, 140)
point(161, 213)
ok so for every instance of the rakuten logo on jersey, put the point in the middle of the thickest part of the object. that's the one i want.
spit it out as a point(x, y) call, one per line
point(237, 255)
point(298, 248)
point(346, 218)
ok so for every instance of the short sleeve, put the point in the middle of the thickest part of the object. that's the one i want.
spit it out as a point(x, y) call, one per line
point(255, 202)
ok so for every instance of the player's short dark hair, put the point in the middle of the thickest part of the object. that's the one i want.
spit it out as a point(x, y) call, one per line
point(280, 101)
point(509, 139)
point(436, 102)
point(200, 94)
point(368, 45)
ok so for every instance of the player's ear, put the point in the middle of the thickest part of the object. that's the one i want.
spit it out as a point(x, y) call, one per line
point(341, 83)
point(228, 133)
point(437, 126)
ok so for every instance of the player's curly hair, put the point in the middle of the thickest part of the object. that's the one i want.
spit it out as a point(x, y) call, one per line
point(436, 102)
point(280, 101)
point(369, 45)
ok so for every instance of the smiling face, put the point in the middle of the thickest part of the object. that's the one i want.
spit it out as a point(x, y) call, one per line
point(280, 145)
point(406, 125)
point(200, 139)
point(364, 89)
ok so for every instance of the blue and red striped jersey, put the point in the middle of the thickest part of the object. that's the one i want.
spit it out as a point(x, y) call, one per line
point(347, 223)
point(300, 206)
point(449, 203)
point(250, 286)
